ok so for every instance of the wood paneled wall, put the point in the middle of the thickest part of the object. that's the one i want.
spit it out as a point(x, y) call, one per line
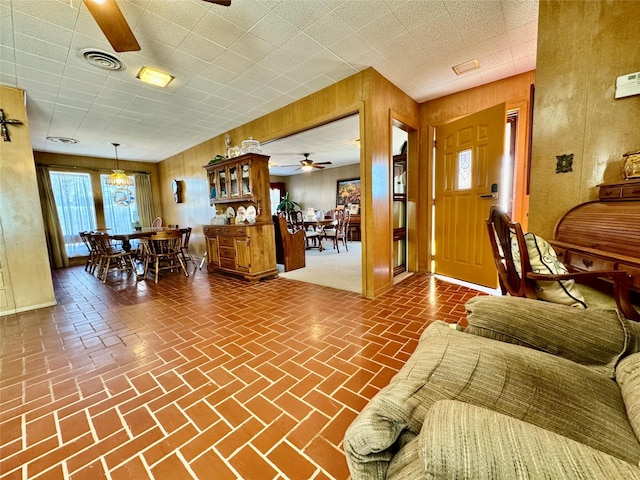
point(582, 48)
point(366, 93)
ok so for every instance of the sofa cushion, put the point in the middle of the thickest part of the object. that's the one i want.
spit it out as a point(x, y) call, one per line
point(628, 378)
point(591, 337)
point(543, 259)
point(459, 440)
point(542, 389)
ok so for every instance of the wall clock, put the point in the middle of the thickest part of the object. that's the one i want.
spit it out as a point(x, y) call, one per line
point(176, 188)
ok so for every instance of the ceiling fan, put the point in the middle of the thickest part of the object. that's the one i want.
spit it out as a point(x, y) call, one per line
point(111, 21)
point(307, 164)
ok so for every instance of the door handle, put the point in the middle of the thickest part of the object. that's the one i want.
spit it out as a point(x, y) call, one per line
point(494, 192)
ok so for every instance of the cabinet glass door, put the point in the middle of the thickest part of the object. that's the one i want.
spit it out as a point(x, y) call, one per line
point(233, 181)
point(246, 179)
point(222, 184)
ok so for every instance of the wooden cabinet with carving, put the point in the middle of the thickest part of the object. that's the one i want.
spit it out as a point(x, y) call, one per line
point(246, 249)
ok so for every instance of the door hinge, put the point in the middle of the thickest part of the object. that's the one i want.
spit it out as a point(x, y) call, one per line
point(435, 144)
point(433, 201)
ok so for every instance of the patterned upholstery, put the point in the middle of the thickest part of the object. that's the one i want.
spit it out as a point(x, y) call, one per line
point(514, 384)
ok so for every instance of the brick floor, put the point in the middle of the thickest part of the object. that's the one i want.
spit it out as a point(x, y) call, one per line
point(205, 377)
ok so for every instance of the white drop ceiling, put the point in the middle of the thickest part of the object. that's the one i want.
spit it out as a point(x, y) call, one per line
point(234, 64)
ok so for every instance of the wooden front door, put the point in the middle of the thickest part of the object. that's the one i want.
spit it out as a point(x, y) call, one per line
point(469, 155)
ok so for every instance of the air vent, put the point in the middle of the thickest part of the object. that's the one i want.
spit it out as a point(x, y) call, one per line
point(102, 59)
point(65, 140)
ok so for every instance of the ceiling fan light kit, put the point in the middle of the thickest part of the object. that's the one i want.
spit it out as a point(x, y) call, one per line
point(154, 77)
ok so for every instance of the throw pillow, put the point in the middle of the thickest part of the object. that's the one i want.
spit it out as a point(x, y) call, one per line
point(628, 379)
point(543, 259)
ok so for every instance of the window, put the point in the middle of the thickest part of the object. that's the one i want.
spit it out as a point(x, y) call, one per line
point(74, 202)
point(464, 170)
point(119, 205)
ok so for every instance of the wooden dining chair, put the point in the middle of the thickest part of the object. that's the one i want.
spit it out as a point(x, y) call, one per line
point(163, 250)
point(185, 234)
point(157, 222)
point(93, 254)
point(339, 231)
point(312, 237)
point(109, 258)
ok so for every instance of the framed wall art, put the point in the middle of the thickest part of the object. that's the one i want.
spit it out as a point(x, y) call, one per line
point(348, 192)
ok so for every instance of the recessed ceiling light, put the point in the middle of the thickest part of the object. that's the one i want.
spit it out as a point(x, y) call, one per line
point(154, 77)
point(65, 140)
point(466, 67)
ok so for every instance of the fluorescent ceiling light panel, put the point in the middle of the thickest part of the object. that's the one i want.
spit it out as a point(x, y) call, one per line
point(154, 77)
point(466, 67)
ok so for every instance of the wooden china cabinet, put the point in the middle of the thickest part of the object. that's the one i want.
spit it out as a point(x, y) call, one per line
point(245, 249)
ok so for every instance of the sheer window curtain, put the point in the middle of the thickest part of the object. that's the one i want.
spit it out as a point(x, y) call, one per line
point(53, 232)
point(145, 201)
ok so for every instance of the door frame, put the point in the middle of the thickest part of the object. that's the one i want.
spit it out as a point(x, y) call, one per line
point(426, 177)
point(413, 199)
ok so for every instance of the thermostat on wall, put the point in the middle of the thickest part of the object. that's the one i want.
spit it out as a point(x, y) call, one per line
point(627, 85)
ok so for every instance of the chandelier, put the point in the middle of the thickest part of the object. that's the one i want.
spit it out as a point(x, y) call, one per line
point(118, 178)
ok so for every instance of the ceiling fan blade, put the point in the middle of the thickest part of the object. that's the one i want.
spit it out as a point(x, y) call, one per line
point(225, 3)
point(322, 163)
point(315, 165)
point(109, 18)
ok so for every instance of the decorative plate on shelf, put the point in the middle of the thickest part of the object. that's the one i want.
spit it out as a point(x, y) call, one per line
point(230, 212)
point(251, 212)
point(241, 211)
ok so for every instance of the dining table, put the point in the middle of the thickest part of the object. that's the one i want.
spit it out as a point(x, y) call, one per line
point(144, 232)
point(315, 223)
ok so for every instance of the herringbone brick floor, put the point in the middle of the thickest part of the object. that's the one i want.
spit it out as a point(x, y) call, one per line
point(206, 377)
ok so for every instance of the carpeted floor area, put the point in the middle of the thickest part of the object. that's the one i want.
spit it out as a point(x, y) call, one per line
point(329, 268)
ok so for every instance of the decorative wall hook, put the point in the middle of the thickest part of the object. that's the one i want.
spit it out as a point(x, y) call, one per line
point(564, 163)
point(4, 122)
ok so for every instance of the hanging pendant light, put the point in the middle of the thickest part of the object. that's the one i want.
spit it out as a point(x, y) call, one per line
point(118, 178)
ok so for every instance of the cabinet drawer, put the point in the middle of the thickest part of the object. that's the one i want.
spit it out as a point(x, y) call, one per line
point(609, 193)
point(228, 263)
point(227, 252)
point(225, 241)
point(211, 231)
point(587, 262)
point(631, 191)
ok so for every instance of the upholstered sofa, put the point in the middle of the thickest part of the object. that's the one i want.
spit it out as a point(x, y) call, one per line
point(529, 390)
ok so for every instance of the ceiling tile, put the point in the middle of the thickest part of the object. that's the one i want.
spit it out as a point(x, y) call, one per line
point(301, 14)
point(200, 47)
point(274, 29)
point(161, 30)
point(219, 30)
point(275, 51)
point(358, 13)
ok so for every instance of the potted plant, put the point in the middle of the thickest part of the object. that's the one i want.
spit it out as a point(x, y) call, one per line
point(286, 205)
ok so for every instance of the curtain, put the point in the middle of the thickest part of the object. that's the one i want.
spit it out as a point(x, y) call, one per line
point(145, 201)
point(53, 232)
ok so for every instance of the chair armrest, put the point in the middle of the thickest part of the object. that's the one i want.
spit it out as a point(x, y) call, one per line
point(620, 280)
point(594, 338)
point(463, 441)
